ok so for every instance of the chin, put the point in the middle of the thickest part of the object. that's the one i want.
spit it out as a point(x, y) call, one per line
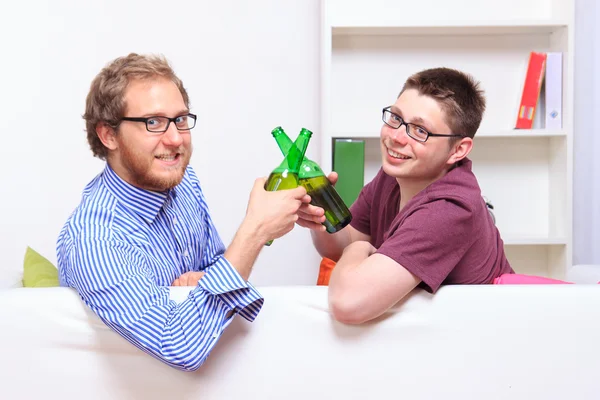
point(173, 179)
point(164, 181)
point(396, 171)
point(390, 170)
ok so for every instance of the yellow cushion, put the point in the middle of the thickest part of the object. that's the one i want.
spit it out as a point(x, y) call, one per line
point(38, 271)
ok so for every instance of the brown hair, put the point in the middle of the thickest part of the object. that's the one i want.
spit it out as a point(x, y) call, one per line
point(105, 100)
point(457, 93)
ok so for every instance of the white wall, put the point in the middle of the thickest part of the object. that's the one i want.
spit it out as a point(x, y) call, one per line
point(257, 60)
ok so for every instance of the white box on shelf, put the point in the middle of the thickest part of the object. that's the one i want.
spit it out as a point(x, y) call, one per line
point(553, 95)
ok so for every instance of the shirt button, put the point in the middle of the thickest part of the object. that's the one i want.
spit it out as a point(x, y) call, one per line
point(186, 253)
point(174, 220)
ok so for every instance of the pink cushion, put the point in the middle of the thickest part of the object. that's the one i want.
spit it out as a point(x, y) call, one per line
point(520, 279)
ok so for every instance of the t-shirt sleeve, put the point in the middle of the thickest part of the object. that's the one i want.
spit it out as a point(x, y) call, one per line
point(431, 241)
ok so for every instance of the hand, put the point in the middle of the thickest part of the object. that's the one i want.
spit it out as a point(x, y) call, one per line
point(312, 217)
point(188, 279)
point(273, 214)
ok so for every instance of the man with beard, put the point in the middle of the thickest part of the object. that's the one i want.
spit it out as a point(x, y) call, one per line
point(143, 223)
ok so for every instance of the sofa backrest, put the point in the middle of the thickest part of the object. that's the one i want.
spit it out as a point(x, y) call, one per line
point(465, 342)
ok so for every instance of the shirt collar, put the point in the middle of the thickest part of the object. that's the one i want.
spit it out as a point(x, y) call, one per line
point(146, 203)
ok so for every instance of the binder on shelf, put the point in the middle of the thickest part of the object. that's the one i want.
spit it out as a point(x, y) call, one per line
point(349, 163)
point(553, 88)
point(531, 90)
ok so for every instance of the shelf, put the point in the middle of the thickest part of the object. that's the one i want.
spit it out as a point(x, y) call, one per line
point(548, 261)
point(533, 241)
point(370, 48)
point(464, 28)
point(520, 133)
point(515, 133)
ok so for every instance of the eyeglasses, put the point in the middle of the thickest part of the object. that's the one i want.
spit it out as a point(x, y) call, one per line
point(160, 124)
point(416, 132)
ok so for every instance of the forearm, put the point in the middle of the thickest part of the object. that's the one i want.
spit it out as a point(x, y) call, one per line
point(180, 335)
point(364, 284)
point(245, 248)
point(331, 245)
point(129, 301)
point(345, 272)
point(348, 299)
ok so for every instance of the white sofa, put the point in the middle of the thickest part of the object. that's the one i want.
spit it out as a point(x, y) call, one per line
point(465, 342)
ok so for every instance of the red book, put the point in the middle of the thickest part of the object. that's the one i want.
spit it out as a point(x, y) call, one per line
point(531, 90)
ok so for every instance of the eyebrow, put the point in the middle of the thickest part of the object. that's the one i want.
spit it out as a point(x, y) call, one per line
point(162, 114)
point(416, 120)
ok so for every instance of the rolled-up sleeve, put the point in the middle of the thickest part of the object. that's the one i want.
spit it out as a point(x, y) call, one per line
point(115, 281)
point(223, 280)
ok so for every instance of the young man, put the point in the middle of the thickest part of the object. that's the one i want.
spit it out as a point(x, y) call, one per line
point(422, 220)
point(143, 223)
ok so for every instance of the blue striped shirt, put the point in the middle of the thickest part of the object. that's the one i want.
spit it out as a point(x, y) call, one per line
point(123, 247)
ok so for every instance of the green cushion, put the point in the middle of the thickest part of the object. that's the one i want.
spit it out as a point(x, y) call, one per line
point(38, 271)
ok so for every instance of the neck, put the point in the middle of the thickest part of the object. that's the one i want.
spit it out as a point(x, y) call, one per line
point(120, 170)
point(409, 188)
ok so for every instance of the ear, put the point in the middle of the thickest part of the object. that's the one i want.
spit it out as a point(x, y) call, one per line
point(460, 150)
point(107, 134)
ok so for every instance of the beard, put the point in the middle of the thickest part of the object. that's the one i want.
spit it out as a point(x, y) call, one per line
point(146, 174)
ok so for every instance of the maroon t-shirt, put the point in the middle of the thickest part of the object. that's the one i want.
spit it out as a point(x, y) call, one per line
point(443, 235)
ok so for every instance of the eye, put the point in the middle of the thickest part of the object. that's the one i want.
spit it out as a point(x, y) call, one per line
point(181, 119)
point(153, 122)
point(420, 131)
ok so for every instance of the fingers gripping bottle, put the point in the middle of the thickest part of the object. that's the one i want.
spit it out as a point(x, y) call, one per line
point(285, 176)
point(321, 191)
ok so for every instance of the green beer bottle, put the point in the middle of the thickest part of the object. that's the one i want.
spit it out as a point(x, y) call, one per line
point(321, 191)
point(285, 176)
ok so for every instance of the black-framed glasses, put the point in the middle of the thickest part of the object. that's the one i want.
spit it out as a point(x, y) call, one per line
point(160, 124)
point(415, 131)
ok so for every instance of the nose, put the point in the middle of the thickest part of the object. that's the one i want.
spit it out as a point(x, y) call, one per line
point(399, 135)
point(172, 136)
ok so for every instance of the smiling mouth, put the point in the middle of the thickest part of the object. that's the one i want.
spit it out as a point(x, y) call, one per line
point(167, 157)
point(397, 155)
